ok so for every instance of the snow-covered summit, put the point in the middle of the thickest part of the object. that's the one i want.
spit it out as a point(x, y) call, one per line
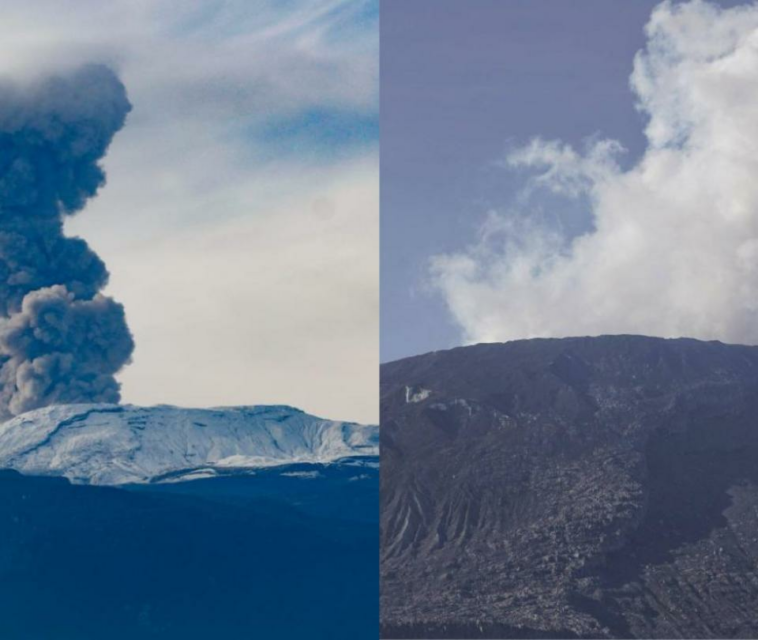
point(118, 444)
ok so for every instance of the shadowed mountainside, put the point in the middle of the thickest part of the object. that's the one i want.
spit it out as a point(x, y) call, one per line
point(288, 552)
point(582, 487)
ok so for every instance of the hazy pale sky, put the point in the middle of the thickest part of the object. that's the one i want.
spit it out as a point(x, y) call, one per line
point(240, 218)
point(475, 215)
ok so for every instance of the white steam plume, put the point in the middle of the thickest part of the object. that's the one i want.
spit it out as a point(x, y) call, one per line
point(673, 245)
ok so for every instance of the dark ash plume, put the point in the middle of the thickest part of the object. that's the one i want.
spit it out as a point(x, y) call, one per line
point(61, 341)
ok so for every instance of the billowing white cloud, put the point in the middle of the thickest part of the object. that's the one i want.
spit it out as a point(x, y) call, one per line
point(672, 244)
point(249, 272)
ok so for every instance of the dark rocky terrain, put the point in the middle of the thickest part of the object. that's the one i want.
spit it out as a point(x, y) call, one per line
point(590, 487)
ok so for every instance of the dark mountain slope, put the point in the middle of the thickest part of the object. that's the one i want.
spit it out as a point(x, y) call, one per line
point(287, 553)
point(588, 487)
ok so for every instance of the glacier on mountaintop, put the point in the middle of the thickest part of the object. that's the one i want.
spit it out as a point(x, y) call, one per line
point(107, 444)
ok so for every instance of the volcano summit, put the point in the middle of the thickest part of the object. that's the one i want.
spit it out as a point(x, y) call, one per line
point(581, 487)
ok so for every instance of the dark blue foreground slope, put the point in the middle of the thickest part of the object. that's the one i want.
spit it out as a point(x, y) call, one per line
point(265, 556)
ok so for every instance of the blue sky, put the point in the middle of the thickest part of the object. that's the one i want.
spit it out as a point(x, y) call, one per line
point(319, 133)
point(461, 85)
point(240, 218)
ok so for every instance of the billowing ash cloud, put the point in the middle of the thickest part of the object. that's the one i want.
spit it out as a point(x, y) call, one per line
point(673, 245)
point(61, 341)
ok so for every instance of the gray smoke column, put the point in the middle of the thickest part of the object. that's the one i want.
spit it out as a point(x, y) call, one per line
point(61, 340)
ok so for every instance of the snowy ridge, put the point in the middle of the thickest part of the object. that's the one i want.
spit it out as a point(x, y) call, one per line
point(109, 444)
